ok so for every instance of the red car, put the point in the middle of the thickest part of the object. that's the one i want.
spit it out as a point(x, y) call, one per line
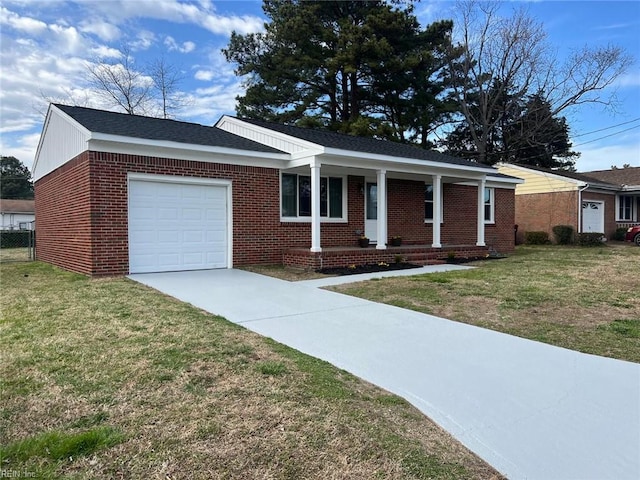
point(633, 235)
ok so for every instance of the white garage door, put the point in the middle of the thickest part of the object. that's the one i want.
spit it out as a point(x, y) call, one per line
point(177, 226)
point(592, 217)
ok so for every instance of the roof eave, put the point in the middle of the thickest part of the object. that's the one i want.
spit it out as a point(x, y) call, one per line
point(413, 162)
point(170, 145)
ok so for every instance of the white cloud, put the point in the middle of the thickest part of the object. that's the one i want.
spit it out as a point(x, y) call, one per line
point(602, 158)
point(23, 24)
point(204, 75)
point(201, 14)
point(143, 41)
point(172, 45)
point(24, 150)
point(102, 51)
point(103, 30)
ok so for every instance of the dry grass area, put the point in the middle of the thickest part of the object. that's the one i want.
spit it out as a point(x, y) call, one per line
point(108, 379)
point(585, 299)
point(14, 255)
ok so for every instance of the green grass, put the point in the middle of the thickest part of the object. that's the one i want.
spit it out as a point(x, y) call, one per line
point(584, 299)
point(109, 379)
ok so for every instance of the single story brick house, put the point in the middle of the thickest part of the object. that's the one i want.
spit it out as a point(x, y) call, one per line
point(119, 194)
point(17, 214)
point(598, 201)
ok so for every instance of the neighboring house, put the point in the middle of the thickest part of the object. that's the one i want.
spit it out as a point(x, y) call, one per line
point(596, 202)
point(120, 193)
point(627, 208)
point(17, 214)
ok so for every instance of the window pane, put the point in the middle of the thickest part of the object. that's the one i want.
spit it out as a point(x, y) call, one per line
point(428, 202)
point(304, 196)
point(335, 197)
point(428, 210)
point(289, 195)
point(625, 208)
point(428, 193)
point(488, 202)
point(372, 201)
point(323, 196)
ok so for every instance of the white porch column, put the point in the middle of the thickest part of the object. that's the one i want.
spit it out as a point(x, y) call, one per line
point(481, 186)
point(437, 219)
point(382, 210)
point(315, 206)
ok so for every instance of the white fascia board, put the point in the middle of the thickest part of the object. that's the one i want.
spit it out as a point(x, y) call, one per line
point(511, 181)
point(306, 148)
point(185, 151)
point(631, 188)
point(45, 125)
point(401, 164)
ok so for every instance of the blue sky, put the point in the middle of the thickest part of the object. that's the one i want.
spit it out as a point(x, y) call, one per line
point(45, 46)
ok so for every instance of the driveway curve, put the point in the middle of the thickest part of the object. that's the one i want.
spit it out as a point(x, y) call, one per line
point(531, 410)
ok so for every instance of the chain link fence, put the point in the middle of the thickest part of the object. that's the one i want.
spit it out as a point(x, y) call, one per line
point(18, 245)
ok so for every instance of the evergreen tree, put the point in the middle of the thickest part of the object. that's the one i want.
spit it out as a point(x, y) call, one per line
point(15, 179)
point(359, 67)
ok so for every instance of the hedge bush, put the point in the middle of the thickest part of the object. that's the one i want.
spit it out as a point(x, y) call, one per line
point(15, 238)
point(563, 234)
point(619, 234)
point(590, 239)
point(536, 238)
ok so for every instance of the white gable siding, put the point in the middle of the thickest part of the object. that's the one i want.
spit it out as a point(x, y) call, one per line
point(265, 137)
point(62, 139)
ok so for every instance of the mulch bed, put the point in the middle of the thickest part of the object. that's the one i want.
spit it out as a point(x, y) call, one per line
point(384, 267)
point(368, 268)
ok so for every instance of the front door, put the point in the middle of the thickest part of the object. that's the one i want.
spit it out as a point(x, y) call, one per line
point(371, 211)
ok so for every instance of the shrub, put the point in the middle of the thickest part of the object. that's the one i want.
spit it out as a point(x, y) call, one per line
point(536, 238)
point(563, 234)
point(15, 238)
point(590, 239)
point(619, 234)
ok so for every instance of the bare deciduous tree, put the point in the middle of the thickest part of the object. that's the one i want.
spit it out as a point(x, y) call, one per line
point(120, 84)
point(507, 59)
point(166, 79)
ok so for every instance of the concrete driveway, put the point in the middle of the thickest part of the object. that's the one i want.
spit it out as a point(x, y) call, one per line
point(531, 410)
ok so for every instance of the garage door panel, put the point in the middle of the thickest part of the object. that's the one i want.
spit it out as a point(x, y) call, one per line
point(175, 226)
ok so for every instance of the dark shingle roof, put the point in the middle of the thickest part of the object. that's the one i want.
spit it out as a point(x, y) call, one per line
point(618, 176)
point(17, 206)
point(362, 144)
point(112, 123)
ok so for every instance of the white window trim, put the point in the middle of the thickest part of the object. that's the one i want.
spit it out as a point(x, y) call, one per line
point(440, 203)
point(634, 210)
point(343, 219)
point(492, 203)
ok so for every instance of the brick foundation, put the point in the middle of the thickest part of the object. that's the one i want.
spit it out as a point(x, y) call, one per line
point(340, 257)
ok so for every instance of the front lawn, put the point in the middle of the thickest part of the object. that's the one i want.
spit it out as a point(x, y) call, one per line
point(109, 379)
point(585, 299)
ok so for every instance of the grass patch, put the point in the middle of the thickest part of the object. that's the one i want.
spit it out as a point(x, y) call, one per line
point(109, 379)
point(585, 299)
point(56, 445)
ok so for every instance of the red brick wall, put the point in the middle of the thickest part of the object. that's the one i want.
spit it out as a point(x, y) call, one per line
point(63, 228)
point(540, 212)
point(82, 212)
